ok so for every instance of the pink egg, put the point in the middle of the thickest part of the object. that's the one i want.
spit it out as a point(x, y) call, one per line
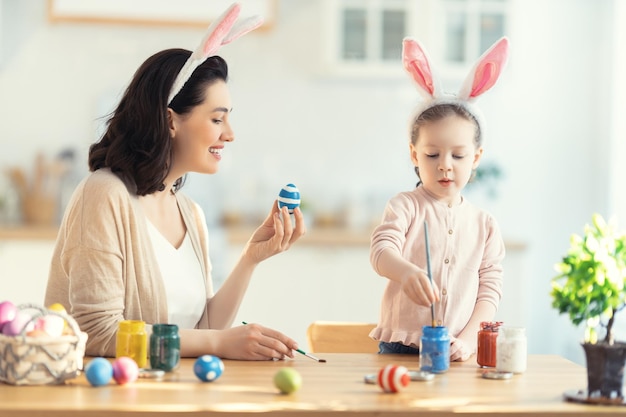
point(22, 321)
point(51, 324)
point(125, 370)
point(8, 310)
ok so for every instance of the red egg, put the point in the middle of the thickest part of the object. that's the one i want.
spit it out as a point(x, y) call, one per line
point(125, 370)
point(393, 378)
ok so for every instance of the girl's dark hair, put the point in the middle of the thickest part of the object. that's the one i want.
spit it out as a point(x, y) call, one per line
point(137, 145)
point(439, 112)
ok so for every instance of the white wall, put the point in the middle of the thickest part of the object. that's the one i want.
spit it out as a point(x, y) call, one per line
point(342, 141)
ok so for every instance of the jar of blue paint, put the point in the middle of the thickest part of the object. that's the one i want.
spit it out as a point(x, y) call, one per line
point(435, 349)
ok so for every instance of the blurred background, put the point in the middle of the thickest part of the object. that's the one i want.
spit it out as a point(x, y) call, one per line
point(321, 100)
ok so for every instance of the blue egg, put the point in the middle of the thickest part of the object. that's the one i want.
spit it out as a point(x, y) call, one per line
point(99, 372)
point(208, 368)
point(289, 197)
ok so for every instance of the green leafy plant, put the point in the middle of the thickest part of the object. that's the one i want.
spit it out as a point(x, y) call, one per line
point(591, 285)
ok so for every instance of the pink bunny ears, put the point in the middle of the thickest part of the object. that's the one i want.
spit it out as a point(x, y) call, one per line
point(480, 79)
point(222, 31)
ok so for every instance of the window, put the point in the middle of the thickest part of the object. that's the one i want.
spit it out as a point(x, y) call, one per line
point(366, 35)
point(372, 30)
point(471, 26)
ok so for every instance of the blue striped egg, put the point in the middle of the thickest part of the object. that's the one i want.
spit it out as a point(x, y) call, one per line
point(289, 197)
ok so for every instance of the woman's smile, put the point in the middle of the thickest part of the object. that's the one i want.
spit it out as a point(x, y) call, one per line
point(216, 151)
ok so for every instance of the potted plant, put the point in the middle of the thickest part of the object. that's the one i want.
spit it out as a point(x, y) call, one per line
point(591, 288)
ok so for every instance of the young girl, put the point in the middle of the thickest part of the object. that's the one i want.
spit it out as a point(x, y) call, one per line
point(466, 247)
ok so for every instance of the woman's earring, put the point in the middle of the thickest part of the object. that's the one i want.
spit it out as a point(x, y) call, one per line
point(472, 176)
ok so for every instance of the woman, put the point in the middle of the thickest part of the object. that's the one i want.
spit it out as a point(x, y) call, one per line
point(132, 246)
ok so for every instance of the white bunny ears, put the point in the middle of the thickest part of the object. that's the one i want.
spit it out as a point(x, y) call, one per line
point(480, 79)
point(222, 31)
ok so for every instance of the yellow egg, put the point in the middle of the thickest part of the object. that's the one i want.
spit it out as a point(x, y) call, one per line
point(58, 307)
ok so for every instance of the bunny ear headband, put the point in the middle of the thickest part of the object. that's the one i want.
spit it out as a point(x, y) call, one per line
point(222, 31)
point(480, 79)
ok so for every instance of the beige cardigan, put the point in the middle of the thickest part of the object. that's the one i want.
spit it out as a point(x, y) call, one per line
point(104, 270)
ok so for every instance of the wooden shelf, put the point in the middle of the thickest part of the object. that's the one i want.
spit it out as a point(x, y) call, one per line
point(323, 236)
point(28, 232)
point(234, 234)
point(315, 236)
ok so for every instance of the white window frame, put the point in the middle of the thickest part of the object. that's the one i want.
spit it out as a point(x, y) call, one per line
point(425, 21)
point(472, 49)
point(371, 66)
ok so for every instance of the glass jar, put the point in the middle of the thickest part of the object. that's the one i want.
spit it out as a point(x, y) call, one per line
point(132, 341)
point(486, 347)
point(164, 347)
point(511, 350)
point(435, 349)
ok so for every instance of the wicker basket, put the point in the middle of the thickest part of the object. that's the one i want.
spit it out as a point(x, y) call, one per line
point(26, 360)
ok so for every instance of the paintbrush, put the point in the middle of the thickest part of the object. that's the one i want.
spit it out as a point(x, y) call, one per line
point(308, 355)
point(430, 276)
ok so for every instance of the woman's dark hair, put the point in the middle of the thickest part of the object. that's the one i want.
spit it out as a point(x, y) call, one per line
point(439, 112)
point(137, 144)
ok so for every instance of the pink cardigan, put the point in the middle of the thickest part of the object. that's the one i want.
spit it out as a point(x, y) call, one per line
point(466, 251)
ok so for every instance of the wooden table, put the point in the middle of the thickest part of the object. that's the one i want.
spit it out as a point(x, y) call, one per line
point(333, 388)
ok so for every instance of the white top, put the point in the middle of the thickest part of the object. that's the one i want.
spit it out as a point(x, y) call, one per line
point(182, 278)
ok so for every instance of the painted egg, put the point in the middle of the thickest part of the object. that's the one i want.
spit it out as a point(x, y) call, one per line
point(99, 372)
point(8, 310)
point(58, 307)
point(37, 333)
point(208, 368)
point(52, 325)
point(125, 370)
point(22, 322)
point(287, 380)
point(289, 196)
point(393, 378)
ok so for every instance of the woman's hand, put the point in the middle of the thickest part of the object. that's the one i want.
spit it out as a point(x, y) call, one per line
point(255, 342)
point(275, 235)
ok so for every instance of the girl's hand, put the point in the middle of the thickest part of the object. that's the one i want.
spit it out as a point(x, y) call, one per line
point(459, 350)
point(416, 285)
point(275, 235)
point(255, 342)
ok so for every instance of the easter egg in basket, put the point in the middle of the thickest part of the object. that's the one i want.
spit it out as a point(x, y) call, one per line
point(22, 321)
point(8, 310)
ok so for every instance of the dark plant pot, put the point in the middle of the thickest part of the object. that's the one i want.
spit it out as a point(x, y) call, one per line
point(605, 369)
